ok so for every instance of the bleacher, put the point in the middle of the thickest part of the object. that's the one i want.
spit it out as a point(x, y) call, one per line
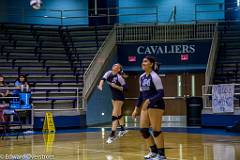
point(228, 59)
point(53, 57)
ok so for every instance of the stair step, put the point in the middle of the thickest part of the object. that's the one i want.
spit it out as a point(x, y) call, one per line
point(36, 50)
point(228, 61)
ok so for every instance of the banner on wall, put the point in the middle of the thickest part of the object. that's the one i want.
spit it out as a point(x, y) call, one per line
point(223, 98)
point(178, 53)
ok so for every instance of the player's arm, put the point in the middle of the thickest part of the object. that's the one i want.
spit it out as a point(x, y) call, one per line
point(137, 106)
point(120, 88)
point(100, 85)
point(138, 102)
point(104, 78)
point(159, 87)
point(140, 97)
point(122, 82)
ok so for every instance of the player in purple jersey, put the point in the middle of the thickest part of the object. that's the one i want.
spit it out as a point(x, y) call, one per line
point(152, 108)
point(117, 85)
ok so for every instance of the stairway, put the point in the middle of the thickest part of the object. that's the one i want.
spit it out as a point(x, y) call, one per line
point(228, 59)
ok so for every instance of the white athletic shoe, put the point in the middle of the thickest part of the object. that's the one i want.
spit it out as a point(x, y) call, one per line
point(122, 133)
point(150, 155)
point(111, 139)
point(159, 157)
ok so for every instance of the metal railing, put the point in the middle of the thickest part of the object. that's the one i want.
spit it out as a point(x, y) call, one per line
point(97, 65)
point(207, 96)
point(165, 98)
point(80, 16)
point(212, 58)
point(163, 33)
point(52, 94)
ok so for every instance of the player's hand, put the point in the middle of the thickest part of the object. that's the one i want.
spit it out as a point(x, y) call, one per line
point(100, 87)
point(135, 112)
point(145, 104)
point(113, 85)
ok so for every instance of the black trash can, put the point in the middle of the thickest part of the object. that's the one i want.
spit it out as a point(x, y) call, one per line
point(194, 111)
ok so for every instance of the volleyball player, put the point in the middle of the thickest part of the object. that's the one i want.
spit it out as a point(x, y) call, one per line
point(152, 107)
point(117, 85)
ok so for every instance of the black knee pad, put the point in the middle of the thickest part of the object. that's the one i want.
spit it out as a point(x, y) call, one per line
point(119, 117)
point(145, 132)
point(114, 118)
point(156, 133)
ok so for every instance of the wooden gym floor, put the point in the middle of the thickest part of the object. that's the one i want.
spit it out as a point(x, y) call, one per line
point(89, 144)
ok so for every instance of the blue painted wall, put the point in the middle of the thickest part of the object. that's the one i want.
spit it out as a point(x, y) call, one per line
point(219, 120)
point(159, 10)
point(62, 122)
point(101, 102)
point(232, 10)
point(185, 10)
point(16, 8)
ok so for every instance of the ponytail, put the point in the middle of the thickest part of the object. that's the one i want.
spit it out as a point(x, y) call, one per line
point(156, 67)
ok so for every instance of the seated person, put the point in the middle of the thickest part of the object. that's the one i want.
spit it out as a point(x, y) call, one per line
point(21, 84)
point(4, 90)
point(22, 90)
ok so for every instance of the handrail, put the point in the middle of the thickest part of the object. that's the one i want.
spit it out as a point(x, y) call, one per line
point(97, 65)
point(62, 15)
point(212, 58)
point(165, 98)
point(45, 88)
point(211, 64)
point(173, 15)
point(74, 90)
point(82, 9)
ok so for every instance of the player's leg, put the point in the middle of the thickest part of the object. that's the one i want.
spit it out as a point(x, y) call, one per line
point(123, 131)
point(144, 129)
point(120, 117)
point(114, 115)
point(112, 136)
point(155, 116)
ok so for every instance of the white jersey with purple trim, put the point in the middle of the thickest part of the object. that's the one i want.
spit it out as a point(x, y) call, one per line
point(118, 80)
point(151, 88)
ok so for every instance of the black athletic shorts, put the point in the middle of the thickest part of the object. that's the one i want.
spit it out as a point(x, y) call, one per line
point(159, 105)
point(118, 98)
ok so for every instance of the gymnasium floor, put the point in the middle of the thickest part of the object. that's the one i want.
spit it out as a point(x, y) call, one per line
point(89, 144)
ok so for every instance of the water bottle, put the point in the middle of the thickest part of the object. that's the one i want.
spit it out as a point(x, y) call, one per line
point(22, 88)
point(27, 88)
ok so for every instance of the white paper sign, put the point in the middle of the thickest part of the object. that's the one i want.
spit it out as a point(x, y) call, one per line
point(223, 98)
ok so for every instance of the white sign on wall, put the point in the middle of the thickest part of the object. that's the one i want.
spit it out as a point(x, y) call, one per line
point(223, 98)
